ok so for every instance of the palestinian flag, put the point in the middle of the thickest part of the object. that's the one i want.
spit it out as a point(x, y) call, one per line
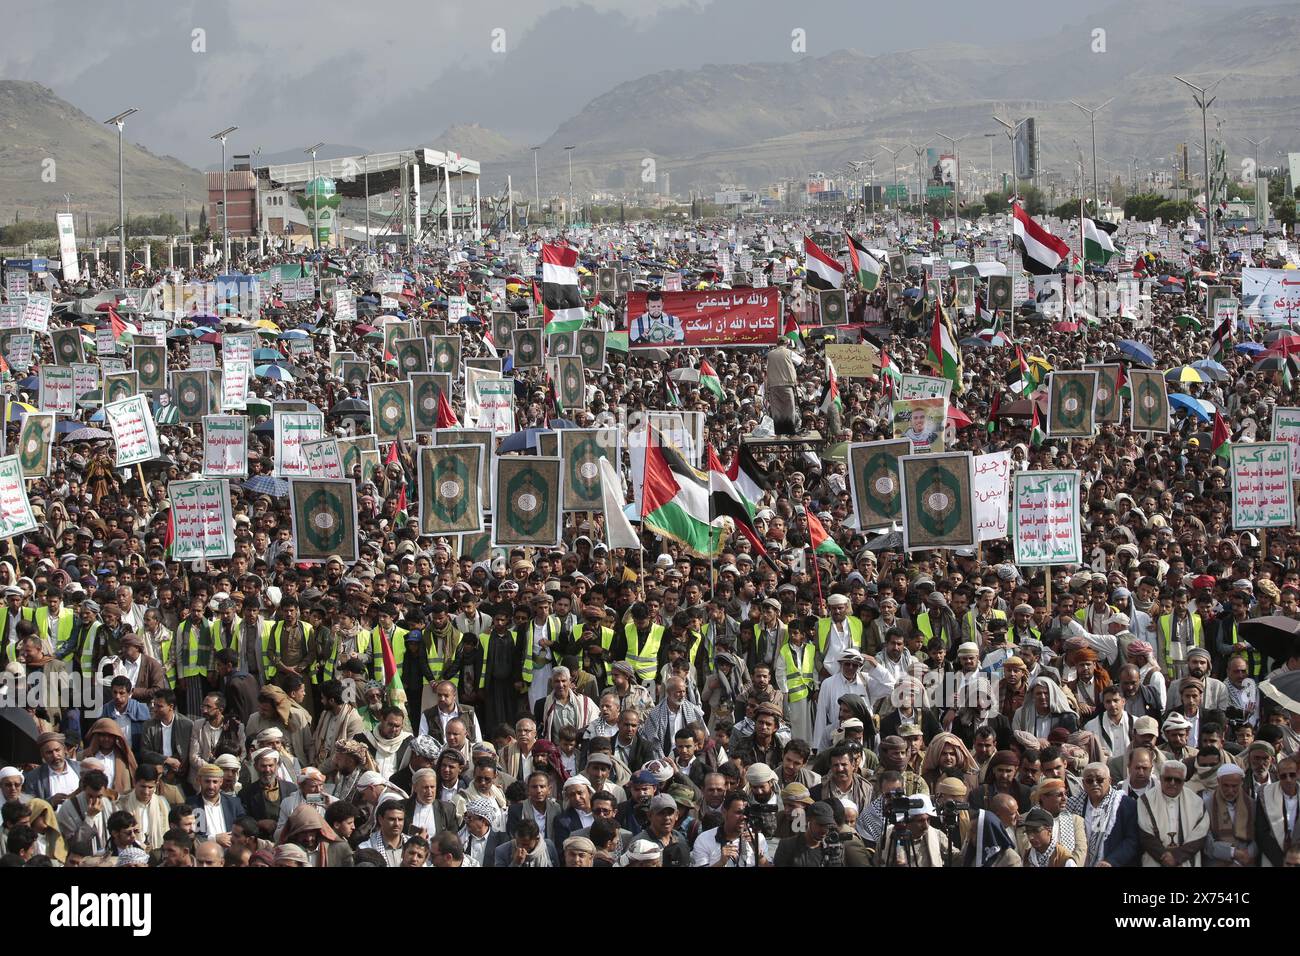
point(1018, 376)
point(675, 501)
point(790, 331)
point(890, 376)
point(170, 538)
point(1219, 340)
point(709, 379)
point(670, 390)
point(832, 396)
point(1221, 438)
point(1097, 245)
point(561, 291)
point(1122, 387)
point(1036, 434)
point(393, 691)
point(119, 326)
point(819, 540)
point(866, 268)
point(726, 501)
point(824, 273)
point(750, 478)
point(1041, 251)
point(944, 356)
point(402, 515)
point(994, 408)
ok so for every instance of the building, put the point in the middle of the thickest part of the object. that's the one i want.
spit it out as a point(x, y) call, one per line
point(240, 197)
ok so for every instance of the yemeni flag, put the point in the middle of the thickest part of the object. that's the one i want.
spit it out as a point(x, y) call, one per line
point(832, 396)
point(675, 501)
point(561, 291)
point(944, 356)
point(1041, 251)
point(750, 478)
point(819, 540)
point(709, 379)
point(1221, 438)
point(1036, 434)
point(726, 501)
point(1097, 244)
point(866, 268)
point(824, 273)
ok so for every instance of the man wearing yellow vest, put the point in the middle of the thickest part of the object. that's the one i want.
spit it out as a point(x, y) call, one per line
point(646, 650)
point(836, 633)
point(975, 622)
point(288, 643)
point(53, 621)
point(591, 636)
point(796, 677)
point(248, 637)
point(188, 658)
point(371, 649)
point(1177, 633)
point(536, 638)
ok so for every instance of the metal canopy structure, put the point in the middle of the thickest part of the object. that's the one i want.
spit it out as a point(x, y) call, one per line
point(383, 169)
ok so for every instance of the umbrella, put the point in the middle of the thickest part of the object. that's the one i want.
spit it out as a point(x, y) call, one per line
point(257, 406)
point(836, 452)
point(520, 441)
point(294, 334)
point(1209, 365)
point(1186, 321)
point(87, 434)
point(267, 485)
point(1285, 332)
point(273, 372)
point(958, 417)
point(1186, 373)
point(684, 375)
point(62, 428)
point(1248, 348)
point(267, 355)
point(265, 428)
point(1284, 689)
point(1274, 363)
point(1136, 351)
point(1284, 345)
point(1276, 635)
point(18, 733)
point(18, 411)
point(351, 406)
point(32, 382)
point(178, 334)
point(1199, 407)
point(892, 541)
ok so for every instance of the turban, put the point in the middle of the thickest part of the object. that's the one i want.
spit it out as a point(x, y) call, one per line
point(290, 852)
point(1229, 770)
point(7, 772)
point(641, 851)
point(48, 736)
point(1176, 722)
point(1026, 739)
point(969, 647)
point(581, 844)
point(270, 733)
point(211, 771)
point(310, 773)
point(484, 809)
point(227, 762)
point(1191, 682)
point(1050, 784)
point(1005, 758)
point(577, 780)
point(1077, 657)
point(266, 752)
point(1013, 661)
point(951, 786)
point(132, 856)
point(759, 773)
point(1262, 745)
point(1140, 647)
point(425, 746)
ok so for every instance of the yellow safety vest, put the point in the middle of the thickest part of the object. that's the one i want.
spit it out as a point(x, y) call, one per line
point(273, 633)
point(237, 636)
point(644, 659)
point(968, 623)
point(86, 662)
point(798, 673)
point(195, 647)
point(532, 660)
point(824, 632)
point(41, 618)
point(366, 638)
point(1164, 626)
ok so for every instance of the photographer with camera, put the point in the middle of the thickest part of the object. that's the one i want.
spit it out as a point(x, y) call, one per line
point(909, 840)
point(818, 845)
point(738, 842)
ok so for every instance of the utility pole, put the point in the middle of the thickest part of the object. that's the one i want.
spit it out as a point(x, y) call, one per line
point(920, 175)
point(1201, 96)
point(1011, 129)
point(568, 206)
point(315, 205)
point(893, 154)
point(537, 190)
point(225, 214)
point(956, 193)
point(1092, 122)
point(120, 121)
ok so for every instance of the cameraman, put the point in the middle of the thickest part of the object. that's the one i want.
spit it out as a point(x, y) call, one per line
point(731, 844)
point(809, 848)
point(916, 843)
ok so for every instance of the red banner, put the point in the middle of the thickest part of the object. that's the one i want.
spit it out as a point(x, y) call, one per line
point(718, 317)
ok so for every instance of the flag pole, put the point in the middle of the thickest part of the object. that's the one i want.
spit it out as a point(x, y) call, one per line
point(817, 577)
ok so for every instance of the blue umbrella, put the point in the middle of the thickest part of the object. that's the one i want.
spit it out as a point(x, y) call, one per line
point(265, 428)
point(1198, 407)
point(62, 428)
point(273, 372)
point(1210, 365)
point(1248, 348)
point(292, 334)
point(1138, 352)
point(267, 485)
point(178, 334)
point(520, 441)
point(267, 355)
point(32, 382)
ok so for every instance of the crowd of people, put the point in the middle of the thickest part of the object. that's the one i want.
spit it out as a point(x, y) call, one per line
point(767, 705)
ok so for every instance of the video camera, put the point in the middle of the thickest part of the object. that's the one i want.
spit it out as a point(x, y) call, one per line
point(761, 818)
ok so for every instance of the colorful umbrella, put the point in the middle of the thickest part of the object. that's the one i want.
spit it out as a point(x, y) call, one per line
point(1186, 373)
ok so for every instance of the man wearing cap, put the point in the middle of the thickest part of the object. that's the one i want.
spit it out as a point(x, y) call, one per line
point(850, 680)
point(1040, 848)
point(535, 640)
point(215, 810)
point(837, 632)
point(1173, 822)
point(57, 776)
point(86, 643)
point(921, 845)
point(808, 849)
point(661, 830)
point(1214, 695)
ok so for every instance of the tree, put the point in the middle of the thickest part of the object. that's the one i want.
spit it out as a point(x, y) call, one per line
point(1284, 211)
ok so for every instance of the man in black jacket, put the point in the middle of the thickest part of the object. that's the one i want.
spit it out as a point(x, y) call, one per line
point(165, 740)
point(662, 815)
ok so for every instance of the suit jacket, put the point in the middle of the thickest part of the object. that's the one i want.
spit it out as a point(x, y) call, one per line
point(1207, 716)
point(230, 806)
point(1123, 846)
point(516, 813)
point(641, 752)
point(37, 780)
point(495, 840)
point(501, 855)
point(150, 679)
point(443, 811)
point(254, 801)
point(151, 742)
point(566, 825)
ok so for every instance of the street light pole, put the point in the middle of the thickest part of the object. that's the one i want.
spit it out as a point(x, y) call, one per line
point(956, 156)
point(1257, 143)
point(1092, 122)
point(568, 207)
point(893, 154)
point(920, 176)
point(120, 121)
point(1011, 129)
point(1202, 99)
point(225, 212)
point(537, 189)
point(315, 204)
point(871, 173)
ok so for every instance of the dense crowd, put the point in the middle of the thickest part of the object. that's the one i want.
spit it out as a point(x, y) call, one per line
point(581, 706)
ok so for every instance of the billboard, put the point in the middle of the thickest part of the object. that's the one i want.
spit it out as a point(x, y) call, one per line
point(693, 319)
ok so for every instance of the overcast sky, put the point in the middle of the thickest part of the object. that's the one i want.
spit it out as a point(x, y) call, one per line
point(394, 73)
